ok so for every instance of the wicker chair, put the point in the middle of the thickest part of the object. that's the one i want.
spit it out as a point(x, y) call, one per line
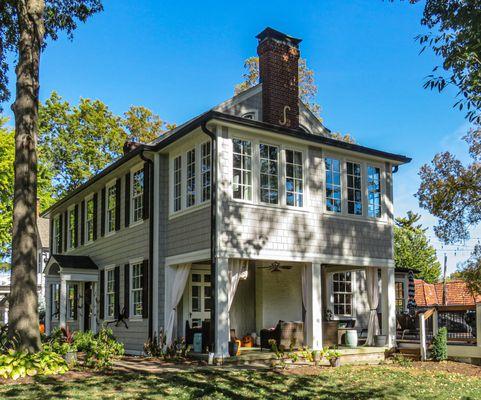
point(286, 334)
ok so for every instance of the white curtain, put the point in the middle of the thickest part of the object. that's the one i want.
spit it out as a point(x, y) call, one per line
point(237, 271)
point(178, 286)
point(372, 285)
point(304, 281)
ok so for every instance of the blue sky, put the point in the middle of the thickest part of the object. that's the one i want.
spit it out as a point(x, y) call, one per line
point(180, 59)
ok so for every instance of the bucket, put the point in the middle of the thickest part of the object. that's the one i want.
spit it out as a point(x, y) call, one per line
point(380, 340)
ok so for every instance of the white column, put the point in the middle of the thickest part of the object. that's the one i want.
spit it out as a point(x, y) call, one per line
point(81, 309)
point(388, 305)
point(221, 323)
point(48, 307)
point(314, 306)
point(478, 324)
point(95, 297)
point(63, 302)
point(422, 337)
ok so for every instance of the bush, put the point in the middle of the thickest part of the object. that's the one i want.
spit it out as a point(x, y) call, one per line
point(102, 349)
point(18, 364)
point(439, 351)
point(83, 340)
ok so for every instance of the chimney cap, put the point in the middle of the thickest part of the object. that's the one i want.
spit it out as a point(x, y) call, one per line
point(272, 33)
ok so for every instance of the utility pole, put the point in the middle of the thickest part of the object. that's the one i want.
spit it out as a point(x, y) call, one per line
point(444, 277)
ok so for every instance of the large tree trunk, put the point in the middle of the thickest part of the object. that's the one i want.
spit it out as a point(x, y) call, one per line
point(23, 314)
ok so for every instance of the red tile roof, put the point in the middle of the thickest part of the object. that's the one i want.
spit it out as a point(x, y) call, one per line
point(457, 293)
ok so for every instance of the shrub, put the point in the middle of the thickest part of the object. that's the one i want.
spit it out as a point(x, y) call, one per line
point(102, 350)
point(402, 360)
point(18, 364)
point(83, 340)
point(439, 351)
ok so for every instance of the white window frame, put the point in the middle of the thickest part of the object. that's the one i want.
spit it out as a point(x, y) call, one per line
point(302, 179)
point(133, 171)
point(362, 189)
point(207, 172)
point(108, 186)
point(56, 234)
point(68, 310)
point(133, 263)
point(177, 184)
point(381, 190)
point(253, 157)
point(55, 291)
point(353, 294)
point(69, 228)
point(192, 165)
point(85, 229)
point(269, 175)
point(107, 293)
point(341, 185)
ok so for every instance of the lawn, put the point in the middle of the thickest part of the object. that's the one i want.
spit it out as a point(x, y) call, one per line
point(350, 382)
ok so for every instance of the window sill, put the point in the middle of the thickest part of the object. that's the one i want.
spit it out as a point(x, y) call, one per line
point(348, 217)
point(189, 210)
point(107, 234)
point(136, 223)
point(269, 206)
point(136, 319)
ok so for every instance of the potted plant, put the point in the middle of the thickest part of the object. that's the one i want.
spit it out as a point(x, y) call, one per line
point(334, 357)
point(70, 350)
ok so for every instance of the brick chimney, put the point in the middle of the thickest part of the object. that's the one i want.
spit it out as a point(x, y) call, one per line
point(278, 73)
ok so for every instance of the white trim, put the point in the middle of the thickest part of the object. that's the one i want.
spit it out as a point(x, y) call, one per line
point(137, 261)
point(133, 170)
point(330, 293)
point(84, 227)
point(185, 258)
point(105, 271)
point(110, 184)
point(54, 233)
point(69, 238)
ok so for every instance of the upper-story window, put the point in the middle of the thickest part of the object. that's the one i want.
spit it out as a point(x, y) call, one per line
point(56, 234)
point(374, 191)
point(136, 289)
point(342, 293)
point(294, 179)
point(71, 229)
point(110, 293)
point(190, 182)
point(111, 207)
point(269, 173)
point(137, 195)
point(205, 168)
point(333, 185)
point(89, 220)
point(354, 188)
point(242, 169)
point(177, 183)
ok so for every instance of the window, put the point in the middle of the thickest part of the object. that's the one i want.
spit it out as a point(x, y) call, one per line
point(55, 301)
point(111, 200)
point(57, 234)
point(242, 169)
point(190, 183)
point(333, 185)
point(110, 293)
point(354, 190)
point(250, 115)
point(177, 183)
point(200, 297)
point(72, 301)
point(374, 191)
point(71, 229)
point(400, 300)
point(269, 173)
point(342, 293)
point(205, 170)
point(89, 220)
point(136, 289)
point(137, 192)
point(294, 178)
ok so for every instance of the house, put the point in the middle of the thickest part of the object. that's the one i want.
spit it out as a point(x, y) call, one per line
point(431, 294)
point(245, 215)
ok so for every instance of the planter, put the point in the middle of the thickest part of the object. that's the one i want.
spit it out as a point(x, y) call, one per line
point(71, 357)
point(380, 340)
point(234, 348)
point(335, 362)
point(351, 338)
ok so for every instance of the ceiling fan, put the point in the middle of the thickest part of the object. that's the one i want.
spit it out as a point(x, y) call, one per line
point(276, 267)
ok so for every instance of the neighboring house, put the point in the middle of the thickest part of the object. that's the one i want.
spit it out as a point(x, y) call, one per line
point(245, 215)
point(431, 294)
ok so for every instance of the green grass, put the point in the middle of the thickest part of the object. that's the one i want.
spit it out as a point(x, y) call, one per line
point(380, 382)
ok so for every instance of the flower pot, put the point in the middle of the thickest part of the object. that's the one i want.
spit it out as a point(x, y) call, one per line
point(233, 348)
point(380, 340)
point(335, 362)
point(351, 338)
point(70, 357)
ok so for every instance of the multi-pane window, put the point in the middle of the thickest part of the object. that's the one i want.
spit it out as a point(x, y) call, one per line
point(400, 300)
point(55, 300)
point(374, 191)
point(110, 293)
point(200, 297)
point(333, 184)
point(110, 202)
point(342, 293)
point(190, 182)
point(137, 192)
point(242, 169)
point(136, 289)
point(205, 170)
point(56, 234)
point(72, 301)
point(89, 220)
point(177, 183)
point(294, 179)
point(354, 188)
point(269, 173)
point(71, 228)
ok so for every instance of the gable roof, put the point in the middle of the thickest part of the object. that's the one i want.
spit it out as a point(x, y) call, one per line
point(457, 294)
point(72, 262)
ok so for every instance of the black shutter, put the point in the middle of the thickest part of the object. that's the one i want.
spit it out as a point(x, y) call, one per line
point(82, 222)
point(117, 204)
point(60, 241)
point(127, 199)
point(65, 227)
point(51, 235)
point(146, 199)
point(102, 213)
point(117, 292)
point(102, 294)
point(76, 227)
point(95, 200)
point(145, 289)
point(127, 290)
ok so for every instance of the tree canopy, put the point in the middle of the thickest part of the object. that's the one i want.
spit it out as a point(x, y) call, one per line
point(413, 250)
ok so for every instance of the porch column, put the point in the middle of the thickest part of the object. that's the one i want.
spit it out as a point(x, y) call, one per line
point(314, 306)
point(48, 307)
point(63, 302)
point(221, 322)
point(95, 299)
point(388, 305)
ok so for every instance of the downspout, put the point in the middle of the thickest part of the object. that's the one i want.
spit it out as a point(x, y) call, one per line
point(213, 231)
point(151, 237)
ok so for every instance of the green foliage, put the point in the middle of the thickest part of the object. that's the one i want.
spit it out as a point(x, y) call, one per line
point(470, 271)
point(17, 364)
point(157, 347)
point(83, 340)
point(332, 354)
point(413, 250)
point(439, 350)
point(102, 349)
point(402, 360)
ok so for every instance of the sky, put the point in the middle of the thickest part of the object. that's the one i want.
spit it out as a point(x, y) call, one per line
point(181, 58)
